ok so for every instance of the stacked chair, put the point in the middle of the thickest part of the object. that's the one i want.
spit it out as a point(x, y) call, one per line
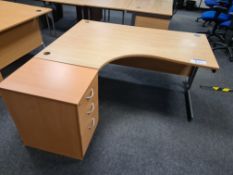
point(222, 17)
point(209, 16)
point(226, 42)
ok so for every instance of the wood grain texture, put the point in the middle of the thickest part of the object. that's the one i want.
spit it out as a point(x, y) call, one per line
point(51, 106)
point(13, 14)
point(1, 78)
point(151, 22)
point(97, 44)
point(155, 65)
point(109, 4)
point(18, 41)
point(159, 7)
point(52, 80)
point(45, 124)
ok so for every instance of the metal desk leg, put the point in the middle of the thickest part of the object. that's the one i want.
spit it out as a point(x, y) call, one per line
point(123, 17)
point(47, 18)
point(89, 13)
point(133, 19)
point(188, 100)
point(48, 23)
point(53, 24)
point(108, 15)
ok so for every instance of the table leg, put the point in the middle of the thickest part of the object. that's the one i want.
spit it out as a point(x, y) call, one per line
point(88, 13)
point(104, 10)
point(123, 17)
point(48, 23)
point(133, 19)
point(53, 24)
point(187, 87)
point(108, 15)
point(79, 13)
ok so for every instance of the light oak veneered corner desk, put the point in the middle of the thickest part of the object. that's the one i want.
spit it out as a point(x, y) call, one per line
point(58, 89)
point(19, 30)
point(148, 13)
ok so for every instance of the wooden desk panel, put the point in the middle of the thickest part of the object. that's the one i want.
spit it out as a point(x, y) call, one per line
point(155, 7)
point(97, 44)
point(19, 30)
point(55, 105)
point(152, 13)
point(18, 41)
point(13, 14)
point(51, 105)
point(50, 80)
point(108, 4)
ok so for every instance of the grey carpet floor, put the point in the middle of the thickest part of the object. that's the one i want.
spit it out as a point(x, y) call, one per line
point(143, 127)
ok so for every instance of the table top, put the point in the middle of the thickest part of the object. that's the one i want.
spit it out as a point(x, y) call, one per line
point(67, 2)
point(109, 4)
point(51, 80)
point(158, 7)
point(13, 14)
point(95, 44)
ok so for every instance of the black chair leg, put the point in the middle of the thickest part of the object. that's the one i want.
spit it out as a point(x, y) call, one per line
point(204, 24)
point(230, 53)
point(197, 20)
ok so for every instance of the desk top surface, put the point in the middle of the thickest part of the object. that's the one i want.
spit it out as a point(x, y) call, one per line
point(52, 80)
point(95, 44)
point(111, 4)
point(160, 7)
point(13, 14)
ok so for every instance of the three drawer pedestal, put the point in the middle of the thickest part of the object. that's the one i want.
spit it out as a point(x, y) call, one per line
point(54, 105)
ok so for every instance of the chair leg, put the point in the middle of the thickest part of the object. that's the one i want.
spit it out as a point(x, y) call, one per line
point(219, 47)
point(230, 53)
point(204, 24)
point(197, 20)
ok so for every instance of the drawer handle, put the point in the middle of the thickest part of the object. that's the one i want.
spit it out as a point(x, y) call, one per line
point(92, 108)
point(93, 122)
point(92, 94)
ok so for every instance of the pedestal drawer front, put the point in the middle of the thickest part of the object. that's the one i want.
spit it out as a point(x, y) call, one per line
point(88, 112)
point(88, 120)
point(91, 93)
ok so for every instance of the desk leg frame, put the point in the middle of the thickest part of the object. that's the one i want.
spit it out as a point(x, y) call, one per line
point(52, 21)
point(187, 87)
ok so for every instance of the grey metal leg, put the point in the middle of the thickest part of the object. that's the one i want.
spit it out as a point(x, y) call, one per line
point(83, 15)
point(89, 14)
point(53, 24)
point(48, 23)
point(133, 19)
point(108, 15)
point(123, 17)
point(103, 13)
point(188, 100)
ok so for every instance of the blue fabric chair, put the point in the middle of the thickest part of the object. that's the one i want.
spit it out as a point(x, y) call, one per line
point(211, 3)
point(226, 42)
point(211, 15)
point(225, 24)
point(208, 16)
